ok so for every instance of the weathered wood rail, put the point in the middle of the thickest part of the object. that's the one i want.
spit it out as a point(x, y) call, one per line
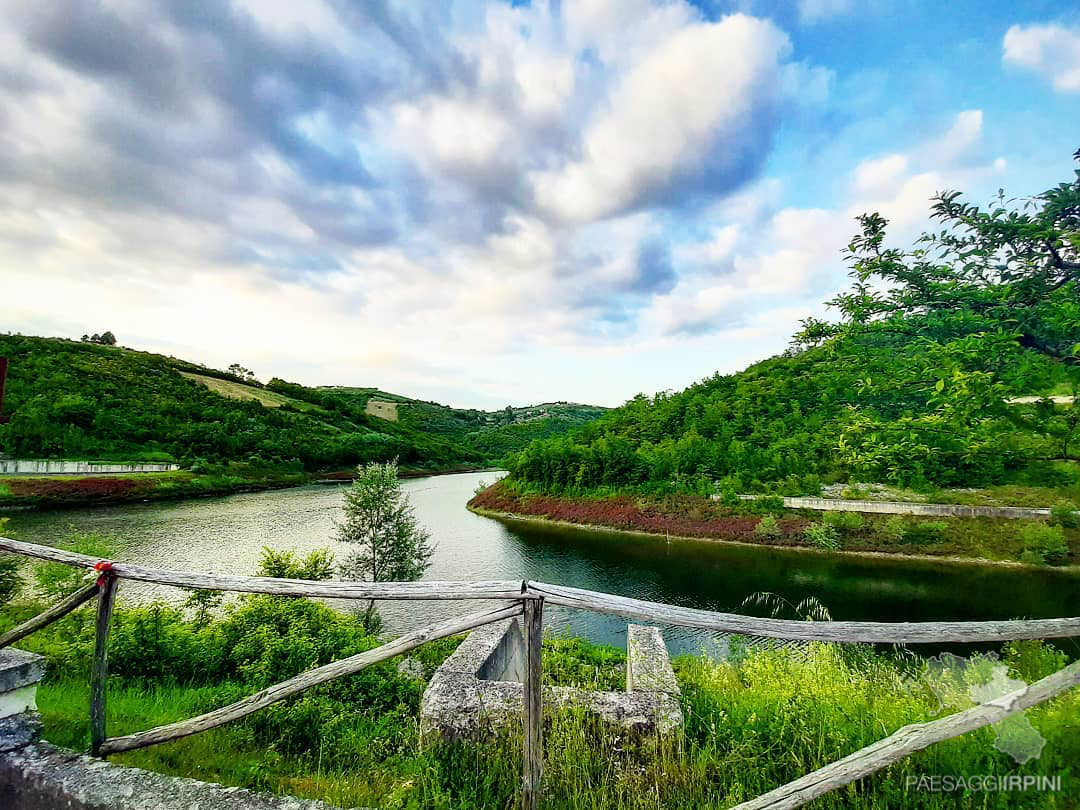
point(527, 599)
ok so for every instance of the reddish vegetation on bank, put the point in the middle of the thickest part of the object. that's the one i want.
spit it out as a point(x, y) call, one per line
point(685, 516)
point(90, 488)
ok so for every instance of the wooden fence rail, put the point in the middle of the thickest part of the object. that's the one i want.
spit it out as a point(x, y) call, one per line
point(845, 632)
point(527, 599)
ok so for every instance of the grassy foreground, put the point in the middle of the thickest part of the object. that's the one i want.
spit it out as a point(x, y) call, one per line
point(767, 522)
point(751, 726)
point(754, 722)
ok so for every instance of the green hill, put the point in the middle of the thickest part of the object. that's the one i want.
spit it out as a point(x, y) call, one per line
point(916, 383)
point(77, 399)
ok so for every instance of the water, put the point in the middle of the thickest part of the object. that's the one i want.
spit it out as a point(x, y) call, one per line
point(226, 535)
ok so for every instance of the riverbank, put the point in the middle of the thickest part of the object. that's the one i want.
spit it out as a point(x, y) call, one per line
point(690, 517)
point(72, 491)
point(68, 491)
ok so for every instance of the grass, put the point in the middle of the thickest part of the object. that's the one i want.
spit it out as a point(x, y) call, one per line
point(235, 390)
point(753, 722)
point(751, 725)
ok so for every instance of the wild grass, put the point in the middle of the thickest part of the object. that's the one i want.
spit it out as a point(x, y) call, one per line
point(751, 725)
point(757, 720)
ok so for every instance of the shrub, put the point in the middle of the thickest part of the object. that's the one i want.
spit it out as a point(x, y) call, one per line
point(1032, 557)
point(1047, 542)
point(56, 580)
point(1065, 514)
point(10, 579)
point(892, 529)
point(768, 526)
point(926, 532)
point(766, 504)
point(844, 522)
point(823, 536)
point(317, 565)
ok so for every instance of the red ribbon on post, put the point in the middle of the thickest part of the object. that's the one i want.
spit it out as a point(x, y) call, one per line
point(105, 569)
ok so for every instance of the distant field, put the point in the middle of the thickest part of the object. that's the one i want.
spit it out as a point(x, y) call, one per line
point(382, 409)
point(234, 390)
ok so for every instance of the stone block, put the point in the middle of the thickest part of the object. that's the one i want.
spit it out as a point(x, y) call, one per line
point(20, 673)
point(479, 688)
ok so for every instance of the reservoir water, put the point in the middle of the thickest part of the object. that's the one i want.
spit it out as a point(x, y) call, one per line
point(227, 535)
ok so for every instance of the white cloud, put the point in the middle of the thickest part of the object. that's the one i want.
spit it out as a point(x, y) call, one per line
point(1053, 51)
point(812, 11)
point(876, 175)
point(957, 143)
point(475, 204)
point(788, 259)
point(694, 105)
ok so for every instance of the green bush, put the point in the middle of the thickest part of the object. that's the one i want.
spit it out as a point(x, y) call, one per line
point(768, 526)
point(823, 536)
point(316, 565)
point(10, 574)
point(766, 504)
point(1046, 543)
point(1065, 514)
point(926, 532)
point(1032, 557)
point(10, 578)
point(844, 522)
point(56, 580)
point(892, 530)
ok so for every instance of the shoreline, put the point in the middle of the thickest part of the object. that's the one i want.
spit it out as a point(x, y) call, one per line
point(513, 517)
point(60, 502)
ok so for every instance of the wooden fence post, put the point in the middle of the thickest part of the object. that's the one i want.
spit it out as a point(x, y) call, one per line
point(99, 672)
point(533, 765)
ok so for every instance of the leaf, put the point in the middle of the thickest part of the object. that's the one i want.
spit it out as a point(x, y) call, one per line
point(940, 386)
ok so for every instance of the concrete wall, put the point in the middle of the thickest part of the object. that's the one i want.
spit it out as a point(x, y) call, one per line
point(13, 466)
point(900, 508)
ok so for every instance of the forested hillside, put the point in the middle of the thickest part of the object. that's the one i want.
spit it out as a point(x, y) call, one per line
point(912, 384)
point(81, 399)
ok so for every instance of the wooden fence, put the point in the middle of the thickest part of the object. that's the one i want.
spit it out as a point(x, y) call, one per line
point(527, 599)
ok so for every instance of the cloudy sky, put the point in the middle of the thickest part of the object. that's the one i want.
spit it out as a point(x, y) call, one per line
point(492, 203)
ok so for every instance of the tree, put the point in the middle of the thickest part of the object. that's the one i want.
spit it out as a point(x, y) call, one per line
point(389, 545)
point(104, 339)
point(242, 372)
point(971, 316)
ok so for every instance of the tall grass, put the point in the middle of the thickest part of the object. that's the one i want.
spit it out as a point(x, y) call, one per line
point(753, 722)
point(751, 725)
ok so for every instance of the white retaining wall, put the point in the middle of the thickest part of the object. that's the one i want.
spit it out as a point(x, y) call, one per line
point(13, 466)
point(903, 508)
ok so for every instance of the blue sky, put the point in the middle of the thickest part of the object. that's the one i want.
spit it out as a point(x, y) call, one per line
point(485, 203)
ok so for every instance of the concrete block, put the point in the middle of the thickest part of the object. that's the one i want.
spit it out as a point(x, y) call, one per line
point(479, 688)
point(20, 673)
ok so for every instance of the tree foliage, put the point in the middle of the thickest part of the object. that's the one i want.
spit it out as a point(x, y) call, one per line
point(388, 543)
point(69, 399)
point(915, 382)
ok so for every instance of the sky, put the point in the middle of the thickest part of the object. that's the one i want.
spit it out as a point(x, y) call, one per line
point(489, 203)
